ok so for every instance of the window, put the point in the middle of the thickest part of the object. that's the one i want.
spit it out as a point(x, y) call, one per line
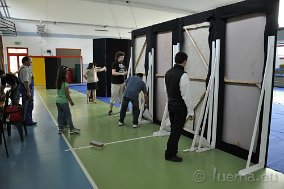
point(281, 14)
point(17, 51)
point(14, 56)
point(280, 50)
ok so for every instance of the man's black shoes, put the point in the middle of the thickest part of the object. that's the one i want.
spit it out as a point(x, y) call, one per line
point(30, 124)
point(174, 159)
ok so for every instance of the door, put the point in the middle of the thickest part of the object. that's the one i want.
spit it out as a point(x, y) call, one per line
point(15, 56)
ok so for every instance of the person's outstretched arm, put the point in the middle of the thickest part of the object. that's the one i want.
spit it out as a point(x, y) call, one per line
point(98, 69)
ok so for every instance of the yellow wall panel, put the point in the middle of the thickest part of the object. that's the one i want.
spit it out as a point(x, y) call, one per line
point(38, 65)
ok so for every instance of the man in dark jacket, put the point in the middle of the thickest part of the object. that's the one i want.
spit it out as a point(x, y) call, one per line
point(177, 83)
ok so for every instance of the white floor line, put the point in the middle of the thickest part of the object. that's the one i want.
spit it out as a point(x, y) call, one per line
point(120, 141)
point(128, 140)
point(79, 148)
point(71, 149)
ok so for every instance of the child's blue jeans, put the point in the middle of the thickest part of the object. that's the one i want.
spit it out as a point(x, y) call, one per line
point(64, 114)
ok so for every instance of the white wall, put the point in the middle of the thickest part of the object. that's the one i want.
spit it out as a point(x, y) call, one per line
point(71, 23)
point(38, 45)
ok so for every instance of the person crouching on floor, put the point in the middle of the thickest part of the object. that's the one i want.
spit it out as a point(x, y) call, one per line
point(134, 85)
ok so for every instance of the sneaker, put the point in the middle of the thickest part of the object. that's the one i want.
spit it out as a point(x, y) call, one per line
point(120, 123)
point(75, 131)
point(135, 126)
point(60, 131)
point(110, 112)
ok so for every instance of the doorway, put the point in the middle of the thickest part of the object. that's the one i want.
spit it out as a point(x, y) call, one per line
point(15, 56)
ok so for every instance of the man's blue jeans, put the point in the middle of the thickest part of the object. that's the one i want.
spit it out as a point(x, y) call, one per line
point(30, 101)
point(136, 111)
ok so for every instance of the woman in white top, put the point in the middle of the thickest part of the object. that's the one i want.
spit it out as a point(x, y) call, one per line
point(92, 79)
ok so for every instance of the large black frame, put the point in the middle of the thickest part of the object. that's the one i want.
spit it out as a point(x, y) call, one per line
point(217, 18)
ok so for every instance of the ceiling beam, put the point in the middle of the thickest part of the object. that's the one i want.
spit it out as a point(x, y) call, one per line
point(73, 23)
point(4, 8)
point(145, 5)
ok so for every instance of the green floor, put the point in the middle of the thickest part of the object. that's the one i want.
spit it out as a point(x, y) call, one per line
point(140, 164)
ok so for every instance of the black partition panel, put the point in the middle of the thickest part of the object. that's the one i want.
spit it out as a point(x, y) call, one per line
point(243, 29)
point(75, 66)
point(103, 54)
point(51, 67)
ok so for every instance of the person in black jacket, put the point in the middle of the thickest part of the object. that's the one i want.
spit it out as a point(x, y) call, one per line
point(13, 81)
point(177, 83)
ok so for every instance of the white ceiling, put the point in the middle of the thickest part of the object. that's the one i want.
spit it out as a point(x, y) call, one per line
point(82, 16)
point(191, 6)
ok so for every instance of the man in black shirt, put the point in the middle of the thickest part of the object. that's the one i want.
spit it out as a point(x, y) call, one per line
point(13, 81)
point(118, 74)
